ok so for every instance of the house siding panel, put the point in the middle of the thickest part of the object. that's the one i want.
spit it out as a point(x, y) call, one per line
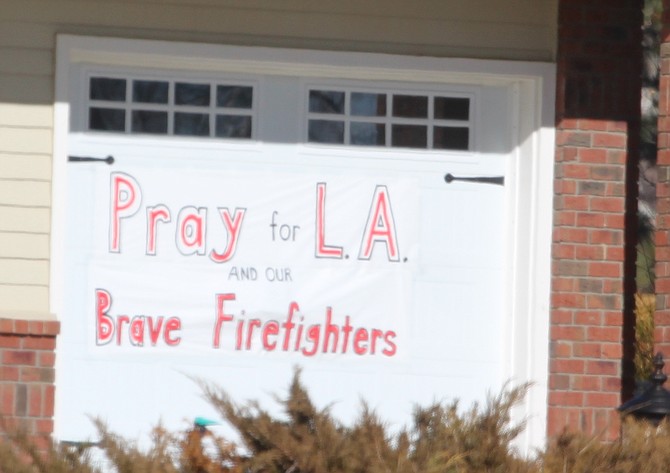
point(26, 140)
point(26, 89)
point(24, 272)
point(25, 166)
point(22, 301)
point(25, 61)
point(25, 193)
point(18, 115)
point(24, 219)
point(521, 30)
point(30, 246)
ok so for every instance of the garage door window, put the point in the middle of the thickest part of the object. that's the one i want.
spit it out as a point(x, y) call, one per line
point(398, 120)
point(180, 108)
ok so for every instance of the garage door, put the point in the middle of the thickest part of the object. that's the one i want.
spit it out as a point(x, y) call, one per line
point(233, 227)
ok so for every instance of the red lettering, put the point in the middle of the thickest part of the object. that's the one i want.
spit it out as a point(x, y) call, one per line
point(233, 226)
point(271, 328)
point(388, 338)
point(308, 340)
point(331, 330)
point(137, 326)
point(191, 229)
point(120, 320)
point(360, 336)
point(380, 227)
point(137, 331)
point(159, 213)
point(125, 201)
point(172, 325)
point(222, 317)
point(104, 331)
point(313, 333)
point(238, 335)
point(323, 250)
point(155, 331)
point(298, 337)
point(376, 333)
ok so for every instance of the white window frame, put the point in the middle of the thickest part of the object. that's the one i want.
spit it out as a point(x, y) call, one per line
point(530, 178)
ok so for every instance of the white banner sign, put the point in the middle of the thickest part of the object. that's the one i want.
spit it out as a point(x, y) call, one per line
point(241, 264)
point(190, 263)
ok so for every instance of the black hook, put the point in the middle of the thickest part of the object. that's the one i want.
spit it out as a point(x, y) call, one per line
point(497, 180)
point(81, 159)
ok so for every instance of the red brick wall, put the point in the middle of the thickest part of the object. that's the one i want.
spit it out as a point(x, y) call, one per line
point(662, 316)
point(27, 388)
point(593, 259)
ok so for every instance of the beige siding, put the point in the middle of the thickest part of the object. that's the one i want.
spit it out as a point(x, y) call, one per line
point(26, 89)
point(25, 272)
point(25, 140)
point(27, 193)
point(25, 61)
point(24, 219)
point(30, 246)
point(513, 29)
point(28, 116)
point(24, 301)
point(25, 166)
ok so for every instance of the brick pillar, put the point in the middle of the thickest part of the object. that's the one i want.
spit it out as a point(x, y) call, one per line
point(662, 315)
point(27, 356)
point(593, 256)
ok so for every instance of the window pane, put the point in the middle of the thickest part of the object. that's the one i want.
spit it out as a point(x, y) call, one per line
point(191, 124)
point(409, 136)
point(410, 106)
point(449, 137)
point(145, 121)
point(107, 119)
point(371, 134)
point(452, 108)
point(191, 94)
point(368, 105)
point(233, 126)
point(232, 96)
point(326, 131)
point(323, 101)
point(103, 88)
point(150, 91)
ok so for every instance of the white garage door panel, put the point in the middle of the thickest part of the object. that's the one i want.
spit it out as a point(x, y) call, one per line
point(463, 224)
point(447, 336)
point(462, 319)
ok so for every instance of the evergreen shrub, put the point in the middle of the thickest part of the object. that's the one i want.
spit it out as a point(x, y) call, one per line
point(442, 438)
